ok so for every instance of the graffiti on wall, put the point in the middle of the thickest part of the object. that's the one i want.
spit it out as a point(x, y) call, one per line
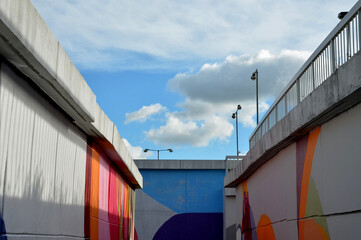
point(109, 200)
point(311, 224)
point(308, 200)
point(194, 198)
point(191, 226)
point(248, 230)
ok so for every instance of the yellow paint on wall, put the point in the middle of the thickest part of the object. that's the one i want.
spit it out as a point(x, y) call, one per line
point(244, 188)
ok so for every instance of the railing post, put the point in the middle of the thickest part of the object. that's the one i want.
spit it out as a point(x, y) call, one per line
point(313, 75)
point(298, 90)
point(348, 34)
point(359, 29)
point(333, 57)
point(267, 125)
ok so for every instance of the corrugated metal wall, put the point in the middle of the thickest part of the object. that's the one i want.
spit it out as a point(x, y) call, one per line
point(42, 163)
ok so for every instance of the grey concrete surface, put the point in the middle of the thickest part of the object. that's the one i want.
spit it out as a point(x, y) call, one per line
point(337, 94)
point(29, 45)
point(150, 215)
point(181, 164)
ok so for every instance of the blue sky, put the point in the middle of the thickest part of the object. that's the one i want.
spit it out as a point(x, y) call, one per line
point(170, 74)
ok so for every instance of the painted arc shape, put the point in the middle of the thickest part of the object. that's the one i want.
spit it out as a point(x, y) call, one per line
point(167, 192)
point(188, 226)
point(265, 229)
point(310, 189)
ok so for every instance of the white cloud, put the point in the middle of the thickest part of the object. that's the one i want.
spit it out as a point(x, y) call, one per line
point(178, 132)
point(121, 34)
point(229, 81)
point(212, 94)
point(144, 113)
point(136, 152)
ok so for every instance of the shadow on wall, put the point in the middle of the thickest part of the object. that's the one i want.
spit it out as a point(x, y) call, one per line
point(191, 226)
point(3, 230)
point(26, 224)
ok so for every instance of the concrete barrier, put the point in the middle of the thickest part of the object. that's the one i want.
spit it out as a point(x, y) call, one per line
point(65, 172)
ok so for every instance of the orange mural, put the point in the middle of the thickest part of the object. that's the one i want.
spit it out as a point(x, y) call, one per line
point(94, 194)
point(111, 200)
point(265, 229)
point(308, 199)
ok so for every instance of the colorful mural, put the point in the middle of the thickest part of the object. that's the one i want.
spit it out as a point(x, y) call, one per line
point(264, 230)
point(191, 226)
point(311, 224)
point(192, 199)
point(109, 200)
point(308, 200)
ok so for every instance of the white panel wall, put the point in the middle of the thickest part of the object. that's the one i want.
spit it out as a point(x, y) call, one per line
point(336, 174)
point(336, 170)
point(43, 158)
point(272, 188)
point(6, 96)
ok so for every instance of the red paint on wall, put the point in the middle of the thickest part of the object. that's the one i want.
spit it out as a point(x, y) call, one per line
point(87, 190)
point(109, 197)
point(113, 213)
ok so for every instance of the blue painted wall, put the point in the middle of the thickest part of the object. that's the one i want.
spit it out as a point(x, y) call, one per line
point(186, 191)
point(197, 197)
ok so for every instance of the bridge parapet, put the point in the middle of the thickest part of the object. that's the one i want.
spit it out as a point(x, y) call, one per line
point(328, 84)
point(339, 46)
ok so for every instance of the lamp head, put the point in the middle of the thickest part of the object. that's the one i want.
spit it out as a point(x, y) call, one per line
point(234, 115)
point(341, 15)
point(170, 150)
point(253, 77)
point(239, 107)
point(146, 150)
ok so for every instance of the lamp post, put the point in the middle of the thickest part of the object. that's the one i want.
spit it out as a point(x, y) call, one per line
point(235, 115)
point(255, 77)
point(158, 150)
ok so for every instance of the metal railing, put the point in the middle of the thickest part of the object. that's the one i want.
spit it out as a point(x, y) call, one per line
point(232, 161)
point(339, 46)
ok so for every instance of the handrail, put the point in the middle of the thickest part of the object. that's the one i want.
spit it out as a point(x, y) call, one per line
point(339, 46)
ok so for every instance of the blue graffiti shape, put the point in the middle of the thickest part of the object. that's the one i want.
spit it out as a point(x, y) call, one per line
point(189, 226)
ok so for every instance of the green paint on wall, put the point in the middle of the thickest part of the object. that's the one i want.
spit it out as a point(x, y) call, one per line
point(314, 207)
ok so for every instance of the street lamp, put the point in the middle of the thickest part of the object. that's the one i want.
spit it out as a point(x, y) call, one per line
point(235, 116)
point(255, 77)
point(158, 150)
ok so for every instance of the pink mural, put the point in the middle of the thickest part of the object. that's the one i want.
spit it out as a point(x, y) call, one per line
point(109, 201)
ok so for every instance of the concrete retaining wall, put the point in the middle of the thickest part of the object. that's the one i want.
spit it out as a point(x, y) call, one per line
point(309, 190)
point(65, 172)
point(55, 182)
